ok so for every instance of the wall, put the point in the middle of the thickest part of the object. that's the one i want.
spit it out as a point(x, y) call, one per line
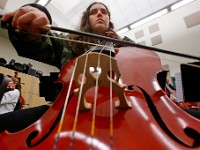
point(172, 34)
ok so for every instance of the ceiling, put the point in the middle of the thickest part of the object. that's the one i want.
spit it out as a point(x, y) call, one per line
point(123, 12)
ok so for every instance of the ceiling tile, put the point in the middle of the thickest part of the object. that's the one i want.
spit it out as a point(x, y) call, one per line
point(123, 12)
point(142, 5)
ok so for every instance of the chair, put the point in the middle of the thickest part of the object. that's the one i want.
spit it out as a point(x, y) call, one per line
point(18, 105)
point(4, 80)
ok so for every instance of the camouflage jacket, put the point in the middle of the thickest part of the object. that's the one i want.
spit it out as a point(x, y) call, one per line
point(46, 49)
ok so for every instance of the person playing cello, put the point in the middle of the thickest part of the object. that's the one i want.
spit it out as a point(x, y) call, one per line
point(31, 18)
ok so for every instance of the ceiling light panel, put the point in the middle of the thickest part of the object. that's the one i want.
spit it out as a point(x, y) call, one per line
point(123, 13)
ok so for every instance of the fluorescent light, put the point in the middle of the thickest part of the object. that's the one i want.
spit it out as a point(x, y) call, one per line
point(43, 2)
point(180, 4)
point(122, 31)
point(145, 20)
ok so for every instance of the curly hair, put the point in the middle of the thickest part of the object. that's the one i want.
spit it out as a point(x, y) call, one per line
point(17, 82)
point(85, 27)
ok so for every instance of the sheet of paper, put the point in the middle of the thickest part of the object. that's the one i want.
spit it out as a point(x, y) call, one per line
point(179, 87)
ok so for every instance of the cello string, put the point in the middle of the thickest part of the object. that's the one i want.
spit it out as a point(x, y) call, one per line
point(96, 93)
point(78, 105)
point(95, 97)
point(65, 106)
point(64, 109)
point(128, 43)
point(111, 108)
point(79, 99)
point(94, 44)
point(61, 38)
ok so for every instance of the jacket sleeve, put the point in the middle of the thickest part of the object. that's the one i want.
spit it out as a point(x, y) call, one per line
point(44, 49)
point(10, 97)
point(125, 38)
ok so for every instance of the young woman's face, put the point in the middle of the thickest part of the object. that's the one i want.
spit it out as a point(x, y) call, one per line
point(99, 19)
point(11, 84)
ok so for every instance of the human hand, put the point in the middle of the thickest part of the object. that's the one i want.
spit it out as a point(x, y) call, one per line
point(113, 34)
point(28, 18)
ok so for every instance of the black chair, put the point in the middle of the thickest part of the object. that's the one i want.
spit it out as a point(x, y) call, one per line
point(4, 80)
point(3, 62)
point(18, 106)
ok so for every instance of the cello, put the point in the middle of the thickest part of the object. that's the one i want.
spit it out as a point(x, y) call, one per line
point(118, 104)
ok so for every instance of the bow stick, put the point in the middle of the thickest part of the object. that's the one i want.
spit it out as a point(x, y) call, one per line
point(7, 25)
point(119, 41)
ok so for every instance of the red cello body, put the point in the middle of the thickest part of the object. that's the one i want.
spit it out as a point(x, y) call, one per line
point(151, 121)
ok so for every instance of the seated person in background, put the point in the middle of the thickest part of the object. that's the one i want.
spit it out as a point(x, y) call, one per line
point(10, 97)
point(170, 90)
point(171, 93)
